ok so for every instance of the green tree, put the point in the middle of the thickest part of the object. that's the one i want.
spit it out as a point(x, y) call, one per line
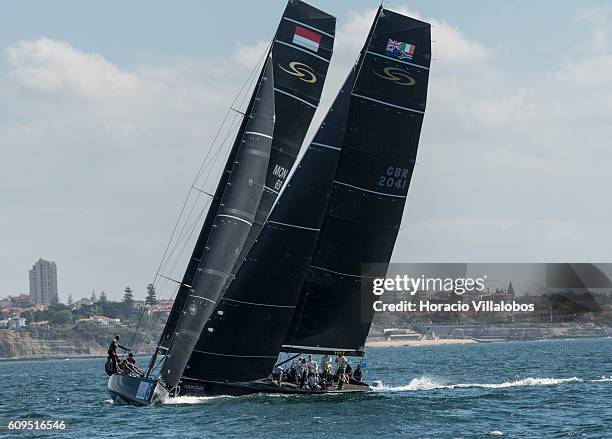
point(61, 317)
point(151, 295)
point(28, 315)
point(93, 297)
point(103, 298)
point(128, 297)
point(128, 304)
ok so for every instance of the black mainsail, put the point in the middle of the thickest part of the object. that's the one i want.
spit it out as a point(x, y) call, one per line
point(250, 321)
point(370, 188)
point(327, 209)
point(275, 123)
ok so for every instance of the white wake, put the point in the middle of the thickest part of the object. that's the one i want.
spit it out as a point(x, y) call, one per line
point(188, 400)
point(428, 383)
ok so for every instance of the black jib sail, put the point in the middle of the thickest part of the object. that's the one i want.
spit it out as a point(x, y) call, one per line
point(231, 214)
point(267, 144)
point(370, 188)
point(250, 321)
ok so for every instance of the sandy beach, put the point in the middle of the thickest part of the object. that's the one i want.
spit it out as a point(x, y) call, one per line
point(380, 342)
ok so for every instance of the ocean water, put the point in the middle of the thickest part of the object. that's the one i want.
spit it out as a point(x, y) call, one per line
point(534, 389)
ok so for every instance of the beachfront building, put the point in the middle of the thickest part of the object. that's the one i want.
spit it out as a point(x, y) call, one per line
point(99, 320)
point(16, 323)
point(43, 283)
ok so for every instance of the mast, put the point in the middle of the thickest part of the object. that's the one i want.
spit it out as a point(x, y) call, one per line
point(182, 294)
point(297, 62)
point(251, 319)
point(268, 294)
point(358, 234)
point(301, 52)
point(227, 224)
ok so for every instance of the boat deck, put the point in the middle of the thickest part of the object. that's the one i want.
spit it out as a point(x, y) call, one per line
point(208, 388)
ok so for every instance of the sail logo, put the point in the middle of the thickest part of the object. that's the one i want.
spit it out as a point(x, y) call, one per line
point(397, 75)
point(302, 71)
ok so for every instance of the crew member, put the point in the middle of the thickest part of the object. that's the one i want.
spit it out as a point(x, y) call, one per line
point(343, 379)
point(358, 373)
point(131, 362)
point(312, 366)
point(341, 363)
point(326, 367)
point(302, 372)
point(112, 353)
point(277, 374)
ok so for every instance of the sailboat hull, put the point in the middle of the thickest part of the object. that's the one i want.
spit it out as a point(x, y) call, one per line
point(210, 388)
point(126, 389)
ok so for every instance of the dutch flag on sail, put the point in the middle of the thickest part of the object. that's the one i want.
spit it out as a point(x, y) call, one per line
point(306, 38)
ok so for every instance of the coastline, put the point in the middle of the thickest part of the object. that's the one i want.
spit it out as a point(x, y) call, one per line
point(380, 342)
point(54, 357)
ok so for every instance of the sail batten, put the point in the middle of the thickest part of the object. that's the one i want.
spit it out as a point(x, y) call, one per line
point(293, 270)
point(388, 102)
point(253, 315)
point(219, 244)
point(275, 123)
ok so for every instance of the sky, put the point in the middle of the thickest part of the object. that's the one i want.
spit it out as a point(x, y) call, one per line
point(107, 109)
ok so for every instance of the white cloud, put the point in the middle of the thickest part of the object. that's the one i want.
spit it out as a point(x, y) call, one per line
point(591, 72)
point(50, 66)
point(597, 18)
point(96, 155)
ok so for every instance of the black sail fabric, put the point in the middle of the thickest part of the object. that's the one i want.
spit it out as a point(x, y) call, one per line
point(242, 339)
point(370, 188)
point(301, 51)
point(300, 55)
point(220, 245)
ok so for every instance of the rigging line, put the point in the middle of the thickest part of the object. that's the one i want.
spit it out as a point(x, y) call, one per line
point(205, 160)
point(202, 191)
point(154, 325)
point(212, 162)
point(157, 365)
point(187, 199)
point(187, 231)
point(248, 81)
point(190, 229)
point(361, 59)
point(189, 193)
point(267, 53)
point(185, 235)
point(200, 170)
point(185, 226)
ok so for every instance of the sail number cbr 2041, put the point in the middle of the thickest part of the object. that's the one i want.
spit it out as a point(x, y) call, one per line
point(394, 177)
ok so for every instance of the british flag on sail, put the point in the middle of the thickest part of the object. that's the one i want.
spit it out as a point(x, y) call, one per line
point(400, 50)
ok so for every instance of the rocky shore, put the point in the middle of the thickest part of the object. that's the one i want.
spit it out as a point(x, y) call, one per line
point(48, 343)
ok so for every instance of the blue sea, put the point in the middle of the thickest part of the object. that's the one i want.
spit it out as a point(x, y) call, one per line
point(537, 389)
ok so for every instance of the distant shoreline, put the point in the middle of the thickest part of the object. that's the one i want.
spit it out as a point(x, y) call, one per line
point(377, 342)
point(380, 342)
point(60, 357)
point(384, 343)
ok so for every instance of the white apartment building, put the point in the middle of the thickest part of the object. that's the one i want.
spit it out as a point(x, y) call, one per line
point(43, 283)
